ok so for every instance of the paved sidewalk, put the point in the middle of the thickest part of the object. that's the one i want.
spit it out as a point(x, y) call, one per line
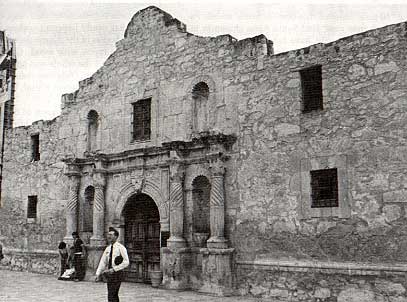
point(29, 287)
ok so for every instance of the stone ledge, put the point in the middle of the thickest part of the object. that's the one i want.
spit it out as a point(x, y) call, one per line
point(9, 251)
point(209, 251)
point(347, 268)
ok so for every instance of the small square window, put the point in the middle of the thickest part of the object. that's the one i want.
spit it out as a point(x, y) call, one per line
point(311, 85)
point(324, 188)
point(35, 147)
point(32, 207)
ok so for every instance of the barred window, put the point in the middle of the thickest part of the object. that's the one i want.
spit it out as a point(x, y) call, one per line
point(311, 84)
point(32, 206)
point(142, 120)
point(324, 187)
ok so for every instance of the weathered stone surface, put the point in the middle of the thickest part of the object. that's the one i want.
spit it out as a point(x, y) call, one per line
point(390, 288)
point(356, 71)
point(386, 67)
point(391, 212)
point(356, 295)
point(322, 293)
point(395, 196)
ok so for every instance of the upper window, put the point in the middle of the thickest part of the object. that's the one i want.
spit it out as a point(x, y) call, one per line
point(93, 123)
point(311, 84)
point(324, 186)
point(142, 120)
point(35, 147)
point(32, 206)
point(200, 96)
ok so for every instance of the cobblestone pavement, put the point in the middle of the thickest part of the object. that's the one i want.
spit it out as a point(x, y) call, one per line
point(28, 287)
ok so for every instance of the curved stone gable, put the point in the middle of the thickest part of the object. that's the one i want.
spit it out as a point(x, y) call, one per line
point(152, 18)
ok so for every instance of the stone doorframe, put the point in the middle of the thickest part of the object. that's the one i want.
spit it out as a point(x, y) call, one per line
point(149, 188)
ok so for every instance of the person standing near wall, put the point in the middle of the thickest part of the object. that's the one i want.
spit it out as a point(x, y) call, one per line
point(63, 257)
point(79, 257)
point(114, 260)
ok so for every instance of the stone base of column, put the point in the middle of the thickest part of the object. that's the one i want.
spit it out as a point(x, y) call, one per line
point(176, 242)
point(217, 273)
point(97, 241)
point(217, 243)
point(176, 265)
point(92, 261)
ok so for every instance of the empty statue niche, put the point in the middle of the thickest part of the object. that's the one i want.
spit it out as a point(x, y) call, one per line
point(200, 96)
point(201, 189)
point(93, 124)
point(87, 210)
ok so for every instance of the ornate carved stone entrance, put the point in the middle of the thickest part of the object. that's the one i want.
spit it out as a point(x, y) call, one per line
point(141, 237)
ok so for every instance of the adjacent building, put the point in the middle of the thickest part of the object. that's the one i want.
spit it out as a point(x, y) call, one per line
point(231, 169)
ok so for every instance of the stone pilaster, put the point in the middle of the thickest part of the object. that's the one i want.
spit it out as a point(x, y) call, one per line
point(97, 238)
point(176, 206)
point(71, 210)
point(217, 206)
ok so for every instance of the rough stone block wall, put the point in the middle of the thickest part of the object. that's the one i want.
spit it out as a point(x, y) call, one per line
point(364, 91)
point(22, 178)
point(309, 285)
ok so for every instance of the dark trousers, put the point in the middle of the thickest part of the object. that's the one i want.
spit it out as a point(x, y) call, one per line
point(113, 285)
point(79, 264)
point(64, 266)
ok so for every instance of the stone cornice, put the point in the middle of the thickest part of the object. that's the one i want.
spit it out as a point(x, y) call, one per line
point(217, 143)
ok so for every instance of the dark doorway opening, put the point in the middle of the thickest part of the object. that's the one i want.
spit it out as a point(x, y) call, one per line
point(142, 237)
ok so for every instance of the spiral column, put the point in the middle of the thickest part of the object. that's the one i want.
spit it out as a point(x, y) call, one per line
point(97, 238)
point(176, 206)
point(217, 206)
point(71, 210)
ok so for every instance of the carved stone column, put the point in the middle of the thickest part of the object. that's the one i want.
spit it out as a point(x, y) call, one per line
point(71, 210)
point(176, 206)
point(97, 238)
point(217, 206)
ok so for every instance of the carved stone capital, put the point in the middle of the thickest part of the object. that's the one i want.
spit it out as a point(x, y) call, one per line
point(74, 182)
point(177, 172)
point(72, 169)
point(217, 168)
point(99, 180)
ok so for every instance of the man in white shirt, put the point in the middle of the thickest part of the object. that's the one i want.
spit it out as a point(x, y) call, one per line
point(112, 263)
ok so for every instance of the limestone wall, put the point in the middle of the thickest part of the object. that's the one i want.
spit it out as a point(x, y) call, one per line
point(361, 130)
point(157, 59)
point(23, 178)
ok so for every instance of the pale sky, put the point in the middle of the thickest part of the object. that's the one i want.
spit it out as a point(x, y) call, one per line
point(60, 43)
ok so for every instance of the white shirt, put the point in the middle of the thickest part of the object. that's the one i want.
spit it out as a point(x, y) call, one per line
point(118, 249)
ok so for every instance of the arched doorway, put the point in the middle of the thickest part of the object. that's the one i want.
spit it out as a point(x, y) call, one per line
point(141, 237)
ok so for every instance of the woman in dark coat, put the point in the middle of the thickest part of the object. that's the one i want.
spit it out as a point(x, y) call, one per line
point(63, 256)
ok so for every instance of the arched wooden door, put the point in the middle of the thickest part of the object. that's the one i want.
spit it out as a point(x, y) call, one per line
point(142, 237)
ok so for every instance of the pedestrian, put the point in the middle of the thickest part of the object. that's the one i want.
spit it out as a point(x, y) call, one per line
point(63, 257)
point(79, 257)
point(114, 260)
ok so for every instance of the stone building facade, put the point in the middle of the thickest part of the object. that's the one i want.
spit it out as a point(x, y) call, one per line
point(231, 169)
